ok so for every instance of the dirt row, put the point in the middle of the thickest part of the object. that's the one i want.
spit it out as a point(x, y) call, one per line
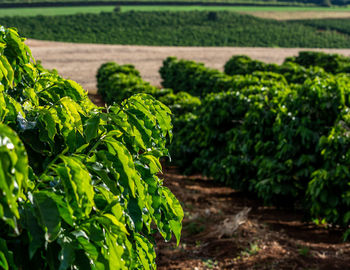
point(80, 62)
point(226, 229)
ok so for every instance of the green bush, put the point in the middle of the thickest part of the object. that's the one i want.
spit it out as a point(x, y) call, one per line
point(79, 185)
point(116, 83)
point(198, 80)
point(333, 63)
point(288, 144)
point(242, 64)
point(293, 72)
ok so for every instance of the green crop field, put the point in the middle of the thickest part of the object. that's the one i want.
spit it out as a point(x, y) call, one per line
point(191, 28)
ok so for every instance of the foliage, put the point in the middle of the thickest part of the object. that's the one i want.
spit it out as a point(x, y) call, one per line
point(115, 83)
point(294, 71)
point(242, 64)
point(198, 80)
point(286, 143)
point(333, 63)
point(339, 25)
point(79, 185)
point(190, 28)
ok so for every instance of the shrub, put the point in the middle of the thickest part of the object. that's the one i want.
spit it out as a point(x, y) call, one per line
point(79, 185)
point(333, 63)
point(293, 72)
point(116, 83)
point(198, 80)
point(286, 144)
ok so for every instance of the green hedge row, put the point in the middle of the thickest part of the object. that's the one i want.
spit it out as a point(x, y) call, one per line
point(198, 80)
point(333, 63)
point(116, 83)
point(287, 143)
point(78, 183)
point(293, 71)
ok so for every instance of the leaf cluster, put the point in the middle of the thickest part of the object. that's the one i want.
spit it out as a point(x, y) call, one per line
point(79, 185)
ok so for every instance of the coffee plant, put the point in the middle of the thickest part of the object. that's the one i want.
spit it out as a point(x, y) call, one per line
point(291, 70)
point(287, 143)
point(198, 80)
point(115, 83)
point(79, 184)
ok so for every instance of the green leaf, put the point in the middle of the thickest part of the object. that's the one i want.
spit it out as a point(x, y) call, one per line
point(13, 173)
point(77, 184)
point(67, 253)
point(48, 215)
point(145, 252)
point(36, 233)
point(91, 127)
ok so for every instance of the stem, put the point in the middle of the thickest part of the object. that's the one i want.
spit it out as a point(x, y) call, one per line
point(96, 144)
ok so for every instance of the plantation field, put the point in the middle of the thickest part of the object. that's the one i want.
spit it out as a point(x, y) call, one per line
point(276, 12)
point(265, 147)
point(81, 61)
point(166, 28)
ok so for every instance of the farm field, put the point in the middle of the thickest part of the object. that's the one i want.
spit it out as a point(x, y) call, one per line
point(265, 145)
point(81, 61)
point(279, 13)
point(182, 28)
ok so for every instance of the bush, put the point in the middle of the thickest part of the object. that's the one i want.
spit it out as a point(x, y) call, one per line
point(198, 80)
point(242, 64)
point(293, 72)
point(333, 63)
point(116, 83)
point(286, 144)
point(79, 186)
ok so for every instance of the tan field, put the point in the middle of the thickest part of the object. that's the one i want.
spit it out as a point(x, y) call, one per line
point(299, 15)
point(80, 62)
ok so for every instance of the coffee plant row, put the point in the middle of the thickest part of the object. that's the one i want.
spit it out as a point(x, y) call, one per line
point(280, 132)
point(79, 185)
point(116, 83)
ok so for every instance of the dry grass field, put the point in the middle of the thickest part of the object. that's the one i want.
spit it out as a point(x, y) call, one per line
point(80, 62)
point(299, 15)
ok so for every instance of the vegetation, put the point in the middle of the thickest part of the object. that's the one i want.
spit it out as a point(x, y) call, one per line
point(175, 28)
point(287, 142)
point(339, 25)
point(79, 185)
point(116, 83)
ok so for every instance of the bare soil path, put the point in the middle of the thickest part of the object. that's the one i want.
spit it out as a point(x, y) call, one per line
point(269, 238)
point(80, 62)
